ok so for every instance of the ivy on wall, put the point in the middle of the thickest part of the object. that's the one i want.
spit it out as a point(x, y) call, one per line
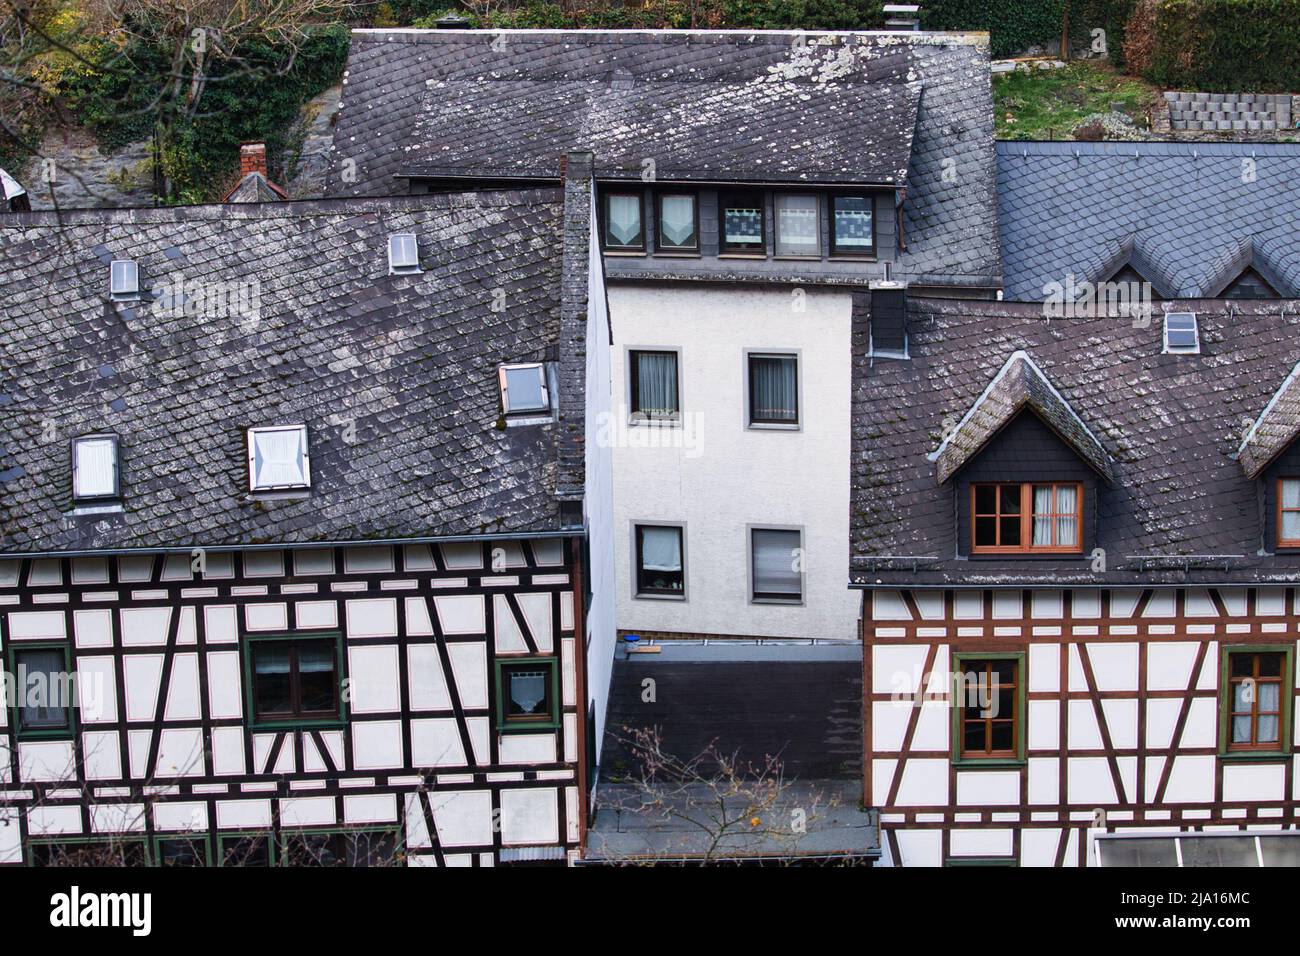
point(1231, 45)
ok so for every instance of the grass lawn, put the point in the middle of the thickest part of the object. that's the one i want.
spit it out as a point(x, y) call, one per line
point(1048, 104)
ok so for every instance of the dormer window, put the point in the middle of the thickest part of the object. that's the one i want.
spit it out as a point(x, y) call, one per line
point(1288, 513)
point(94, 468)
point(623, 229)
point(798, 225)
point(124, 280)
point(679, 224)
point(403, 254)
point(523, 389)
point(1029, 517)
point(852, 226)
point(278, 459)
point(1182, 337)
point(742, 224)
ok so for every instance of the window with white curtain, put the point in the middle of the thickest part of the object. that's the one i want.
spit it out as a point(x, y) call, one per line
point(773, 389)
point(278, 458)
point(94, 468)
point(623, 228)
point(798, 225)
point(1288, 512)
point(652, 380)
point(1010, 517)
point(677, 223)
point(660, 564)
point(776, 564)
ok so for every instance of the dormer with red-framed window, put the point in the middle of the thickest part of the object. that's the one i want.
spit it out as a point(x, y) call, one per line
point(1025, 470)
point(1270, 455)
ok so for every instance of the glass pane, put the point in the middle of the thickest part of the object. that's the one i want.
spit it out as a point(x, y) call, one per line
point(314, 849)
point(1003, 735)
point(1042, 531)
point(316, 678)
point(1291, 492)
point(1219, 851)
point(677, 222)
point(271, 678)
point(1005, 673)
point(371, 849)
point(527, 692)
point(1242, 664)
point(776, 559)
point(1010, 532)
point(1270, 665)
point(525, 389)
point(796, 226)
point(661, 549)
point(656, 384)
point(973, 740)
point(246, 851)
point(986, 499)
point(94, 467)
point(1267, 730)
point(1290, 525)
point(44, 689)
point(853, 224)
point(742, 223)
point(1067, 531)
point(1269, 699)
point(773, 388)
point(623, 220)
point(1010, 495)
point(182, 853)
point(1138, 851)
point(1241, 730)
point(1004, 703)
point(986, 532)
point(1243, 695)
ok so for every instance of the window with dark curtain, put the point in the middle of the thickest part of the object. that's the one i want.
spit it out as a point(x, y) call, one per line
point(773, 390)
point(293, 679)
point(654, 385)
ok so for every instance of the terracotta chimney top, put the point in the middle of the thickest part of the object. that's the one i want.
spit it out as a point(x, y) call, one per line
point(252, 159)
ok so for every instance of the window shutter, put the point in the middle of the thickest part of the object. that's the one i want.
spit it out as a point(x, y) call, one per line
point(889, 320)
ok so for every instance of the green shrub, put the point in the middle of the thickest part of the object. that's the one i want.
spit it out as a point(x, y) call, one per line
point(1230, 45)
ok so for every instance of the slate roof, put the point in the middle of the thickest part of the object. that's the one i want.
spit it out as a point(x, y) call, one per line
point(255, 187)
point(1020, 384)
point(767, 129)
point(1276, 427)
point(1190, 209)
point(395, 376)
point(1179, 508)
point(950, 213)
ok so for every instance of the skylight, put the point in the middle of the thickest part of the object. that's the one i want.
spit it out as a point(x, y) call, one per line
point(278, 458)
point(1181, 333)
point(523, 388)
point(124, 279)
point(403, 253)
point(94, 467)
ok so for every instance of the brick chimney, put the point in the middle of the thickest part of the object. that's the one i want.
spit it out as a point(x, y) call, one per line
point(252, 159)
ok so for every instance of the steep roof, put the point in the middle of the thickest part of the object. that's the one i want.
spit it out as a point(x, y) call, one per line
point(1178, 509)
point(766, 129)
point(394, 376)
point(949, 216)
point(255, 187)
point(1277, 426)
point(1198, 213)
point(1019, 384)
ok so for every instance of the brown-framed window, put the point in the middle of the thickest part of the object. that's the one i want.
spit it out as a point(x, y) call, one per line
point(742, 222)
point(624, 229)
point(853, 226)
point(1024, 517)
point(1288, 512)
point(677, 222)
point(660, 568)
point(295, 679)
point(653, 385)
point(1255, 695)
point(989, 709)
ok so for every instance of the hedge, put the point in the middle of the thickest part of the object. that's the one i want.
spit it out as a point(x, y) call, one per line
point(1248, 46)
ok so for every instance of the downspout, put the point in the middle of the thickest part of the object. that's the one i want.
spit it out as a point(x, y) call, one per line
point(580, 683)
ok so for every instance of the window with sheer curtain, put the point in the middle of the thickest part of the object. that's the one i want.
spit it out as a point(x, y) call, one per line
point(653, 385)
point(1011, 517)
point(677, 229)
point(773, 390)
point(776, 564)
point(1255, 709)
point(623, 229)
point(798, 225)
point(1288, 512)
point(94, 468)
point(660, 569)
point(277, 458)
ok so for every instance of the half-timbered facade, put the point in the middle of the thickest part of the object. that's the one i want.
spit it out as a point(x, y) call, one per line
point(297, 507)
point(1071, 539)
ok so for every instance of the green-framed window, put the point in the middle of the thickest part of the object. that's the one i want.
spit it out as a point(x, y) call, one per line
point(294, 680)
point(87, 851)
point(989, 709)
point(252, 848)
point(353, 846)
point(44, 690)
point(1256, 694)
point(527, 694)
point(182, 849)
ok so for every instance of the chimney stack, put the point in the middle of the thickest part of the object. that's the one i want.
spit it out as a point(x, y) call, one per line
point(252, 159)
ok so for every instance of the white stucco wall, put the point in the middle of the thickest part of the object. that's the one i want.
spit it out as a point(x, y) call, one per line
point(717, 476)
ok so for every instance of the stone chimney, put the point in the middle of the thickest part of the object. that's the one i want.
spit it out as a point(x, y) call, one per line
point(252, 159)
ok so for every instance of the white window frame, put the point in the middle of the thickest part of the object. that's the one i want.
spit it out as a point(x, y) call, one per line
point(113, 495)
point(403, 268)
point(131, 288)
point(253, 486)
point(503, 382)
point(1196, 335)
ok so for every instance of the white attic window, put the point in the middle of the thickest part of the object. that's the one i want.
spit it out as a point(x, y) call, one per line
point(94, 468)
point(124, 279)
point(403, 253)
point(278, 459)
point(1182, 336)
point(523, 388)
